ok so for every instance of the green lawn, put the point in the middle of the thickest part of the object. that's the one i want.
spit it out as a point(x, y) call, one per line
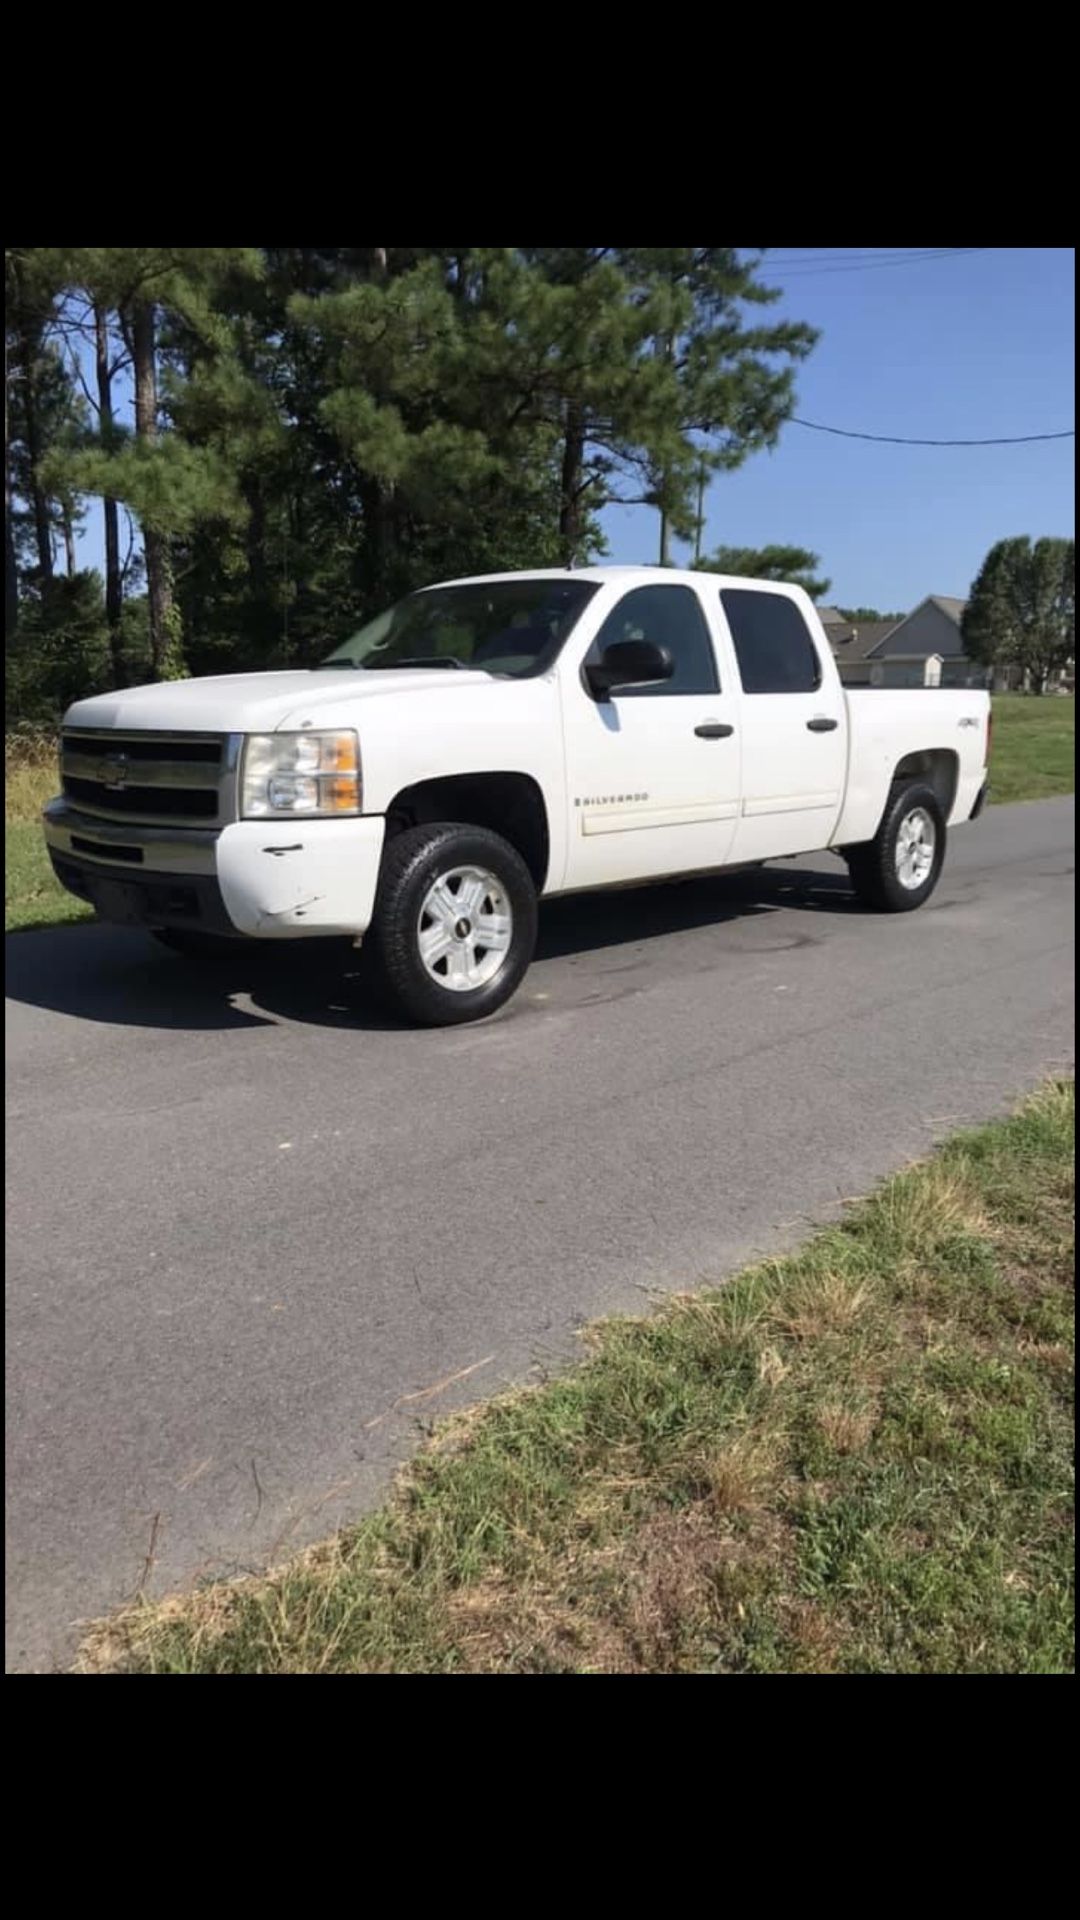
point(1034, 752)
point(854, 1460)
point(33, 897)
point(1033, 756)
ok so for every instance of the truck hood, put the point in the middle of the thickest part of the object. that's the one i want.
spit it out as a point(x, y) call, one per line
point(257, 702)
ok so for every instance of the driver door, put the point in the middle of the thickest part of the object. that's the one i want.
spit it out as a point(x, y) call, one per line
point(653, 771)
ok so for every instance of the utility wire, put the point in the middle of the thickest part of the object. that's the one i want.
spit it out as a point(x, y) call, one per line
point(861, 256)
point(899, 440)
point(819, 258)
point(802, 272)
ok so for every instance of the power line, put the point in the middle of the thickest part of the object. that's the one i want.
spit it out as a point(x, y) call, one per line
point(865, 257)
point(899, 440)
point(802, 271)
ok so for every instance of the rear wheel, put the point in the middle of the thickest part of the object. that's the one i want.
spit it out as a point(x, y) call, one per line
point(455, 922)
point(899, 869)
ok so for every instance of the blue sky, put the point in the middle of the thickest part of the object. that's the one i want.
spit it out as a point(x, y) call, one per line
point(971, 346)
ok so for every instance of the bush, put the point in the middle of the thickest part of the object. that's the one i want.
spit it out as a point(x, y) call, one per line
point(60, 651)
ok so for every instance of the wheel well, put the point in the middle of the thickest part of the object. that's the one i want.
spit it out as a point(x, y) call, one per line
point(507, 803)
point(939, 767)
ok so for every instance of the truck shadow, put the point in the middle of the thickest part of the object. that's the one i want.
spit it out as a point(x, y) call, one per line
point(120, 977)
point(578, 923)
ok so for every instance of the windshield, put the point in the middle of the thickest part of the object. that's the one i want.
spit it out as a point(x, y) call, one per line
point(513, 627)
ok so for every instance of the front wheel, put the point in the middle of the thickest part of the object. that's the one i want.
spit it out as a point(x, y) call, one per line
point(899, 869)
point(455, 922)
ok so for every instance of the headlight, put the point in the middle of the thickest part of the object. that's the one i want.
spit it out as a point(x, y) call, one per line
point(300, 773)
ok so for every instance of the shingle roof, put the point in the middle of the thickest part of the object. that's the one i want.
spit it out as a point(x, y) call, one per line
point(856, 643)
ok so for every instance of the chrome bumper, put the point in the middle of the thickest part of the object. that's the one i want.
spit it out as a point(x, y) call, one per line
point(124, 848)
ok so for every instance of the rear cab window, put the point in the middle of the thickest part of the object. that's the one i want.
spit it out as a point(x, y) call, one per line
point(773, 645)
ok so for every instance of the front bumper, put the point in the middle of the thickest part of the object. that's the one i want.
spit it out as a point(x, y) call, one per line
point(151, 900)
point(269, 880)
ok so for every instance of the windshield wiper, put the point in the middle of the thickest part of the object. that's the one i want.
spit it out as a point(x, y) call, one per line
point(423, 660)
point(385, 666)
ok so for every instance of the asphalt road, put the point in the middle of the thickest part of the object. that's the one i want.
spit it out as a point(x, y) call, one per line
point(257, 1235)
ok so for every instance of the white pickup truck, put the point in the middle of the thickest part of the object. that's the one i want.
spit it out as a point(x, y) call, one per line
point(497, 739)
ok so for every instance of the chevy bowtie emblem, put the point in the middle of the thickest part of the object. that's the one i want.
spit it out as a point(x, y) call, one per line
point(114, 769)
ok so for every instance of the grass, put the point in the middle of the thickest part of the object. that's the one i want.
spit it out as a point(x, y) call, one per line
point(1033, 758)
point(1034, 747)
point(33, 897)
point(857, 1459)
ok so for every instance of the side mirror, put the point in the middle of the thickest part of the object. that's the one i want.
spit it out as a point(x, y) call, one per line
point(628, 663)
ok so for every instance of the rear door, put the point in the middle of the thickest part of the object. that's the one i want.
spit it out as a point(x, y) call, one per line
point(653, 772)
point(794, 726)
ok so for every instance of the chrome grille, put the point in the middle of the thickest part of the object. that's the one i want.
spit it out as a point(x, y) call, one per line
point(160, 778)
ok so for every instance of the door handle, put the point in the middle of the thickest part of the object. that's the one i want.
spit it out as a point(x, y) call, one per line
point(821, 724)
point(714, 730)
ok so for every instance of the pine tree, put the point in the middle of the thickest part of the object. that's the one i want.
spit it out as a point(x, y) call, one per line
point(168, 482)
point(107, 364)
point(645, 362)
point(796, 564)
point(41, 412)
point(446, 471)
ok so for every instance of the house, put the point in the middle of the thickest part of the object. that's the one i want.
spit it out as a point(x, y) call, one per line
point(852, 644)
point(924, 650)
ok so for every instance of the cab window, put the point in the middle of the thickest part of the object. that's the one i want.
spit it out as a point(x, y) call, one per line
point(670, 617)
point(772, 642)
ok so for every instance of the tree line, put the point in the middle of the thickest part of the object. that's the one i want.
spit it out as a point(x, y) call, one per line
point(280, 440)
point(277, 441)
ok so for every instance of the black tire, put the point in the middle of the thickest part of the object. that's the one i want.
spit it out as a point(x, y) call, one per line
point(875, 867)
point(211, 948)
point(413, 864)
